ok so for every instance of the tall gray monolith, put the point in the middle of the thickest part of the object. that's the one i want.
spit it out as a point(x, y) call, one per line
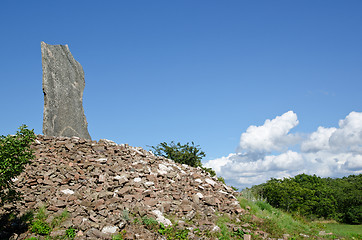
point(63, 86)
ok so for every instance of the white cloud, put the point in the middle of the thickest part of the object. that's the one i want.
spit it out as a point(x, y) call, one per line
point(318, 141)
point(353, 163)
point(216, 164)
point(273, 135)
point(327, 152)
point(349, 135)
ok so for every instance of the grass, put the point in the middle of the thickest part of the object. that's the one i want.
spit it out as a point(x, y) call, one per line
point(40, 226)
point(344, 230)
point(276, 222)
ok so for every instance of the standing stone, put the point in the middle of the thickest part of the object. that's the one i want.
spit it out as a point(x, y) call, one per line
point(63, 85)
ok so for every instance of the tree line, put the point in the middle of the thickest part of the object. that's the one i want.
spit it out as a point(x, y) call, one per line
point(316, 197)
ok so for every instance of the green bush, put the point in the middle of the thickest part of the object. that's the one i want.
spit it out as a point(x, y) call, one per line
point(15, 153)
point(184, 154)
point(316, 197)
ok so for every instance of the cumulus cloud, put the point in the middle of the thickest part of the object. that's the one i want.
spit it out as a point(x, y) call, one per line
point(327, 152)
point(318, 141)
point(348, 137)
point(273, 135)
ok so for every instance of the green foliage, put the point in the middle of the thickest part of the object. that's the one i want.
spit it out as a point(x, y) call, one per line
point(118, 236)
point(149, 222)
point(173, 233)
point(344, 231)
point(209, 170)
point(70, 233)
point(40, 227)
point(170, 232)
point(42, 213)
point(235, 189)
point(274, 221)
point(184, 154)
point(225, 233)
point(221, 179)
point(348, 193)
point(31, 238)
point(57, 220)
point(316, 197)
point(264, 206)
point(15, 153)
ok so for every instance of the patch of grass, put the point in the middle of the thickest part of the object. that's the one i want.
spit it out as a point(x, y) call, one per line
point(40, 227)
point(225, 233)
point(119, 236)
point(344, 230)
point(57, 220)
point(70, 233)
point(275, 221)
point(42, 213)
point(149, 222)
point(173, 233)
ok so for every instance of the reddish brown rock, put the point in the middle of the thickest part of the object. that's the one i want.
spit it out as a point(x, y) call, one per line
point(99, 183)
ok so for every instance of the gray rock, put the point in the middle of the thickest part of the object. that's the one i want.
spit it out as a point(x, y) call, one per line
point(63, 85)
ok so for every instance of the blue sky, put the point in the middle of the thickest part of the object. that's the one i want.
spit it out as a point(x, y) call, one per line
point(202, 71)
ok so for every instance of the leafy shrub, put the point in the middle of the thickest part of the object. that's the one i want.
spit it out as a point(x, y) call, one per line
point(15, 153)
point(184, 154)
point(316, 197)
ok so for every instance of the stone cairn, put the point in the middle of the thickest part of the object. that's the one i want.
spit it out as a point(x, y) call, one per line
point(100, 183)
point(63, 86)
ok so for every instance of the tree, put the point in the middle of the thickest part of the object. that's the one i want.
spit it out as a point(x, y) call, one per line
point(15, 153)
point(184, 154)
point(313, 196)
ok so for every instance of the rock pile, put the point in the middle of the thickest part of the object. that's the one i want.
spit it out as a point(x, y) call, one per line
point(101, 183)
